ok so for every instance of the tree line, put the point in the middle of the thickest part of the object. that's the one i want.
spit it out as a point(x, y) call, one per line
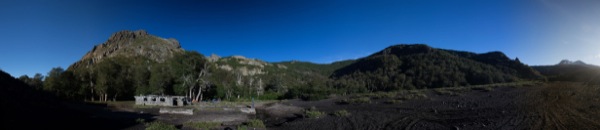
point(190, 74)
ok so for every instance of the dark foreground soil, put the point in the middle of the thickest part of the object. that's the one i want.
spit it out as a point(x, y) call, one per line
point(544, 106)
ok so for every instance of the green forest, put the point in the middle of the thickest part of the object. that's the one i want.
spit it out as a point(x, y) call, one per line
point(399, 67)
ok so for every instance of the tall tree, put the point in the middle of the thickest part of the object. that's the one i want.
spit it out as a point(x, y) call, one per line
point(52, 81)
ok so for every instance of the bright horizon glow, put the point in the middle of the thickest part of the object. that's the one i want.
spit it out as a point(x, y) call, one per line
point(39, 35)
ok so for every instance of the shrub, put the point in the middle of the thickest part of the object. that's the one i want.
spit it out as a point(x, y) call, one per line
point(270, 96)
point(256, 123)
point(313, 113)
point(203, 125)
point(140, 120)
point(160, 126)
point(341, 113)
point(242, 127)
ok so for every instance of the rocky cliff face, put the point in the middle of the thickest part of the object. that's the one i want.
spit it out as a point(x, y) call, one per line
point(131, 43)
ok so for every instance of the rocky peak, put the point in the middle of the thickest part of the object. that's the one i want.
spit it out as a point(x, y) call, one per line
point(131, 43)
point(213, 57)
point(568, 62)
point(127, 35)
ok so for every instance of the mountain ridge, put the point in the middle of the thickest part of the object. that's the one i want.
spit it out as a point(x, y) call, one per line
point(410, 66)
point(129, 44)
point(169, 69)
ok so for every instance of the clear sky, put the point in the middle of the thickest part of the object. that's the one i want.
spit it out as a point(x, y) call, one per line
point(39, 35)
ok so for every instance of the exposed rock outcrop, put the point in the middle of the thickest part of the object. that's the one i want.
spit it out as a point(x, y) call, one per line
point(131, 43)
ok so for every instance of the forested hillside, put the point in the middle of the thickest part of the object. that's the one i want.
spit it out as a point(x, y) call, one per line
point(576, 71)
point(420, 66)
point(137, 63)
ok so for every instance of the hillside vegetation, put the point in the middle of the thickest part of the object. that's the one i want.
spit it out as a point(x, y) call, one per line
point(420, 66)
point(566, 70)
point(136, 63)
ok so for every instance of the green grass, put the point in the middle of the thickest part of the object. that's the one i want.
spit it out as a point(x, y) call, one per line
point(486, 89)
point(313, 113)
point(242, 127)
point(360, 100)
point(392, 101)
point(140, 120)
point(457, 91)
point(160, 126)
point(379, 95)
point(256, 123)
point(203, 125)
point(341, 113)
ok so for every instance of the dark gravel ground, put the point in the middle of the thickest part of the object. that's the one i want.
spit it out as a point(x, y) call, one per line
point(544, 106)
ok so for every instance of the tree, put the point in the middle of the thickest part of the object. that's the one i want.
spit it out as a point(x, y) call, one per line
point(203, 80)
point(37, 81)
point(52, 81)
point(141, 76)
point(25, 79)
point(69, 87)
point(161, 79)
point(186, 68)
point(107, 74)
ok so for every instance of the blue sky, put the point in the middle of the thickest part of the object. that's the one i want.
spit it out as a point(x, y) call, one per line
point(39, 35)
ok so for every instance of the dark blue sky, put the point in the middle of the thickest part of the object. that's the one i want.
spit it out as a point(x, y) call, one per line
point(39, 35)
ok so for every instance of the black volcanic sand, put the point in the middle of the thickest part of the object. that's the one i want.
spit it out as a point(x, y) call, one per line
point(546, 106)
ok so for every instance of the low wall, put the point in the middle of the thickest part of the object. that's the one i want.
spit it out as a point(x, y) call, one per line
point(182, 111)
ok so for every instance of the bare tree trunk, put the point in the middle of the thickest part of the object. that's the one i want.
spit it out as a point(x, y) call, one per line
point(259, 87)
point(115, 97)
point(228, 95)
point(105, 97)
point(199, 94)
point(92, 94)
point(190, 94)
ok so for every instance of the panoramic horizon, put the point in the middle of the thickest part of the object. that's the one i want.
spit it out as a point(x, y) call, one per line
point(40, 35)
point(300, 64)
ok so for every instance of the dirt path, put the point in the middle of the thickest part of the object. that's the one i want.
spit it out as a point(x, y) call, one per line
point(551, 106)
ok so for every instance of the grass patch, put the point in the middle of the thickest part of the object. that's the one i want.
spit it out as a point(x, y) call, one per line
point(411, 94)
point(313, 113)
point(355, 100)
point(140, 120)
point(485, 89)
point(451, 91)
point(203, 125)
point(341, 113)
point(160, 126)
point(360, 100)
point(242, 127)
point(393, 101)
point(343, 102)
point(256, 123)
point(380, 95)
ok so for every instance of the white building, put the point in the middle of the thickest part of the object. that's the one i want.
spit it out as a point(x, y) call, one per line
point(155, 100)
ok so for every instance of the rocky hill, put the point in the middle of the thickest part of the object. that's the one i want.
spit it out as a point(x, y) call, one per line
point(573, 71)
point(420, 66)
point(139, 63)
point(131, 44)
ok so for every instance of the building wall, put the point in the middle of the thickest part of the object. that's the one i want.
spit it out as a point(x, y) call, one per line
point(161, 100)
